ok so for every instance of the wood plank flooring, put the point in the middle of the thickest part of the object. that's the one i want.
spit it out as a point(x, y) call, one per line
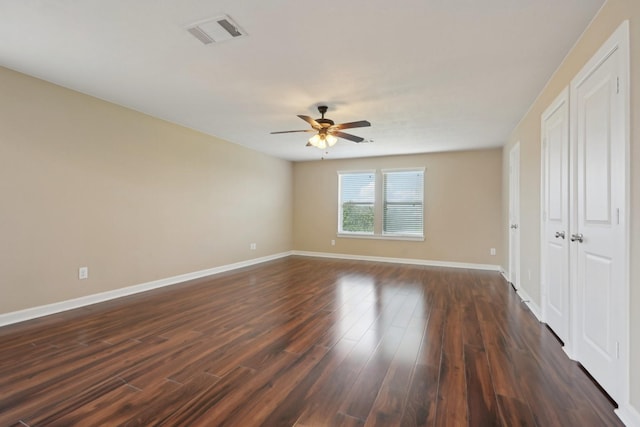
point(300, 342)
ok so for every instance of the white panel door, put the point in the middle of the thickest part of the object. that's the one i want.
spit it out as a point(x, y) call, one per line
point(555, 227)
point(598, 231)
point(514, 216)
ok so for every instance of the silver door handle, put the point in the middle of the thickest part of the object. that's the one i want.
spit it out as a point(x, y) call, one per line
point(577, 238)
point(514, 226)
point(560, 234)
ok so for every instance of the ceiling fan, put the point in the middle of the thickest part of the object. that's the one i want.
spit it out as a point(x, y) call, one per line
point(327, 131)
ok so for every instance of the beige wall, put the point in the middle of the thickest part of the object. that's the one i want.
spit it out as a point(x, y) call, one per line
point(87, 183)
point(528, 133)
point(462, 207)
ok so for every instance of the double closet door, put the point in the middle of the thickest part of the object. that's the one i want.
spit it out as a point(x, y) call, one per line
point(584, 216)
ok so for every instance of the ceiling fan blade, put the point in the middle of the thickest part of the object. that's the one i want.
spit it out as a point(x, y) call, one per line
point(292, 131)
point(311, 121)
point(350, 125)
point(346, 136)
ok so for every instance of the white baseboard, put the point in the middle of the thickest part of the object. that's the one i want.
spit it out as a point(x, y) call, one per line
point(45, 310)
point(412, 261)
point(505, 274)
point(628, 415)
point(535, 309)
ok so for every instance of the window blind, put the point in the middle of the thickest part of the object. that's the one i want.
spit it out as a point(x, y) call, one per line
point(403, 210)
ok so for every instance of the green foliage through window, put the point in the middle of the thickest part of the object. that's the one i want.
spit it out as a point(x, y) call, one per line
point(357, 218)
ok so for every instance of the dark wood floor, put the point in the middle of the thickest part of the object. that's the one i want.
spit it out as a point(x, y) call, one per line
point(300, 342)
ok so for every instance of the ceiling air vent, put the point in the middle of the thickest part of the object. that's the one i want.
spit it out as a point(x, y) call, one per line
point(216, 30)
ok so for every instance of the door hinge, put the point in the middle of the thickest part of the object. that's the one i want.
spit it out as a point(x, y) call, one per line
point(617, 84)
point(617, 350)
point(618, 215)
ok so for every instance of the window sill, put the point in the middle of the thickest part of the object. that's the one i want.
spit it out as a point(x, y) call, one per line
point(382, 237)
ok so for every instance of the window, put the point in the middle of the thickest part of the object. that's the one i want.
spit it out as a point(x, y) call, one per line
point(356, 204)
point(403, 208)
point(393, 210)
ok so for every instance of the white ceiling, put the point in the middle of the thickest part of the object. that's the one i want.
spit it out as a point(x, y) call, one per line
point(430, 75)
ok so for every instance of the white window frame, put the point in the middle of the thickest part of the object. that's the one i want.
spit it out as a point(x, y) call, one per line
point(378, 207)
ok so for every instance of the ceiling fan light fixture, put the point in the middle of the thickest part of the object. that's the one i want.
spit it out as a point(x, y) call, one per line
point(318, 140)
point(323, 140)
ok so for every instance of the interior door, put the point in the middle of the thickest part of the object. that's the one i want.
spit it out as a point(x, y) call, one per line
point(555, 227)
point(598, 231)
point(514, 216)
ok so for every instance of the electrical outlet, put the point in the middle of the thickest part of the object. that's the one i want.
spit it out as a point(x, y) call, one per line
point(83, 273)
point(333, 242)
point(492, 251)
point(252, 246)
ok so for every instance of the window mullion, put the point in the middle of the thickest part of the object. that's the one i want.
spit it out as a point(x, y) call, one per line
point(378, 206)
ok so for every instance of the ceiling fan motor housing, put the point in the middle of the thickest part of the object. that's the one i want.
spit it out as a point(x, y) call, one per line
point(324, 122)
